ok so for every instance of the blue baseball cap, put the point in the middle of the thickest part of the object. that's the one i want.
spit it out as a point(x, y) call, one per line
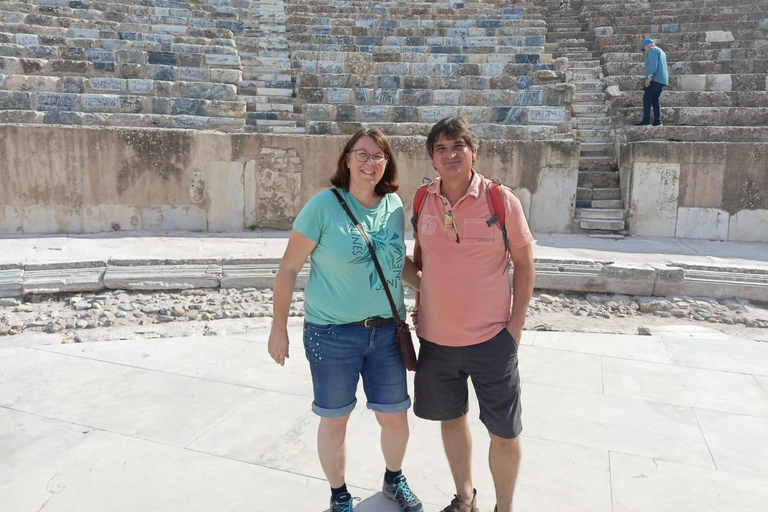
point(647, 41)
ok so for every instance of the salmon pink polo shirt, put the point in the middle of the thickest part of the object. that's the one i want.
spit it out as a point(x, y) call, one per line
point(466, 296)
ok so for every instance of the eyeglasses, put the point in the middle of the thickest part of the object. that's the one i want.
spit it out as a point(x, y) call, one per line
point(362, 156)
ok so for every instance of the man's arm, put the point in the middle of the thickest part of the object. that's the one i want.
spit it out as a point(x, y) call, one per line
point(523, 277)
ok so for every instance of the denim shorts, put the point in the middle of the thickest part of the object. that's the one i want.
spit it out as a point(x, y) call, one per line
point(339, 354)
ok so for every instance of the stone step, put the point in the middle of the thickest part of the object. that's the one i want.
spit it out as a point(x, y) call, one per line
point(594, 98)
point(471, 36)
point(606, 193)
point(122, 119)
point(601, 225)
point(427, 69)
point(598, 179)
point(431, 114)
point(484, 130)
point(595, 147)
point(583, 64)
point(608, 203)
point(721, 67)
point(591, 136)
point(594, 123)
point(589, 109)
point(423, 96)
point(697, 99)
point(703, 116)
point(586, 162)
point(600, 214)
point(389, 53)
point(698, 133)
point(586, 75)
point(697, 83)
point(371, 80)
point(585, 87)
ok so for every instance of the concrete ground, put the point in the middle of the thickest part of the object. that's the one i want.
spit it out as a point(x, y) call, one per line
point(676, 421)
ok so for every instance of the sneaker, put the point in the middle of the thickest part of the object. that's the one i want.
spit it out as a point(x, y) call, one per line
point(657, 123)
point(399, 492)
point(643, 123)
point(343, 503)
point(459, 506)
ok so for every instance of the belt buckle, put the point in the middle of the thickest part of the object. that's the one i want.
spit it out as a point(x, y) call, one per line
point(371, 322)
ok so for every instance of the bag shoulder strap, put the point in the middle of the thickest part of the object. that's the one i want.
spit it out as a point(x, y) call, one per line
point(418, 203)
point(495, 196)
point(376, 264)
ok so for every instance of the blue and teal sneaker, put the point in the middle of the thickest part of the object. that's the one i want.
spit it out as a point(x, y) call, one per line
point(399, 492)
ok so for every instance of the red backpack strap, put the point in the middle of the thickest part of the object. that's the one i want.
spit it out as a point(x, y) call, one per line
point(418, 203)
point(495, 196)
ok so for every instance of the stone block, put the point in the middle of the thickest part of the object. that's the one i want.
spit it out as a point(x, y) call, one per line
point(529, 98)
point(66, 118)
point(524, 82)
point(434, 114)
point(103, 56)
point(208, 91)
point(654, 193)
point(374, 113)
point(385, 96)
point(27, 40)
point(226, 76)
point(51, 101)
point(11, 219)
point(719, 83)
point(186, 106)
point(222, 60)
point(173, 218)
point(693, 83)
point(81, 276)
point(339, 96)
point(158, 72)
point(556, 185)
point(162, 276)
point(546, 115)
point(14, 100)
point(99, 102)
point(163, 58)
point(132, 104)
point(226, 109)
point(278, 191)
point(52, 219)
point(224, 196)
point(109, 218)
point(719, 36)
point(416, 97)
point(702, 223)
point(141, 86)
point(749, 226)
point(107, 84)
point(446, 97)
point(86, 33)
point(603, 31)
point(11, 280)
point(474, 114)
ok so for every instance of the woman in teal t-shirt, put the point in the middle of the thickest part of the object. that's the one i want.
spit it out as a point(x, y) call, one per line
point(349, 331)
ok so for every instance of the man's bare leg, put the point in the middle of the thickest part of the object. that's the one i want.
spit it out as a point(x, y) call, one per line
point(504, 458)
point(457, 441)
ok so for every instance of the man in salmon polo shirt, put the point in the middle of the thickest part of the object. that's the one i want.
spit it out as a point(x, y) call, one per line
point(469, 321)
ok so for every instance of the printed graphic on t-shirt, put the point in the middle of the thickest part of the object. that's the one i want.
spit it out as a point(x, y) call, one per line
point(477, 231)
point(428, 224)
point(389, 251)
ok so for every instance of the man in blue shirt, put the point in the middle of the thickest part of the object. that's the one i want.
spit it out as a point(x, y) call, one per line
point(656, 78)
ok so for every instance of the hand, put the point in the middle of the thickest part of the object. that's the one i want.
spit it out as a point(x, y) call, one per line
point(516, 332)
point(278, 346)
point(647, 82)
point(415, 317)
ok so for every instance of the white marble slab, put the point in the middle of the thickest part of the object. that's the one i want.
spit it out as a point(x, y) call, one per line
point(641, 348)
point(738, 443)
point(148, 404)
point(560, 369)
point(614, 423)
point(677, 385)
point(732, 355)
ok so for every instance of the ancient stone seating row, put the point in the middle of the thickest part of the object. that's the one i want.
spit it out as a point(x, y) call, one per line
point(449, 83)
point(417, 97)
point(696, 67)
point(486, 131)
point(741, 82)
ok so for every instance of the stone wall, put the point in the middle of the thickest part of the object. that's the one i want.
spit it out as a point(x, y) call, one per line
point(715, 191)
point(59, 179)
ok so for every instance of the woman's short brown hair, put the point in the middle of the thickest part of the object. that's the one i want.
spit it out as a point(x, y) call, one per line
point(388, 182)
point(453, 128)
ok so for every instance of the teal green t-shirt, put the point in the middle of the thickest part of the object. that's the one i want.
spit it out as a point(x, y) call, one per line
point(344, 286)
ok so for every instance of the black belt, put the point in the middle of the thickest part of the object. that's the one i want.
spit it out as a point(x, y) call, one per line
point(373, 322)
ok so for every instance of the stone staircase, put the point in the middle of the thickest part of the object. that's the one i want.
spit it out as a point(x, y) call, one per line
point(599, 207)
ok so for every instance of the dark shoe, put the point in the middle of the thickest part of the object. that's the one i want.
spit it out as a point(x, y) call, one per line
point(399, 492)
point(657, 123)
point(459, 506)
point(643, 123)
point(343, 503)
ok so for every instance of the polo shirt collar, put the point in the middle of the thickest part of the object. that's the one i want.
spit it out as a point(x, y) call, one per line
point(473, 190)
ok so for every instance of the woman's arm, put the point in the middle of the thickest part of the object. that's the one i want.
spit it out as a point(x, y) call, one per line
point(298, 250)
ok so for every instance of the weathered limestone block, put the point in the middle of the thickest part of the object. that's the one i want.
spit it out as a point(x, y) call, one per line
point(224, 196)
point(256, 273)
point(278, 187)
point(11, 280)
point(80, 276)
point(703, 223)
point(173, 218)
point(693, 83)
point(653, 202)
point(719, 36)
point(749, 226)
point(161, 275)
point(11, 219)
point(108, 218)
point(719, 83)
point(52, 219)
point(556, 185)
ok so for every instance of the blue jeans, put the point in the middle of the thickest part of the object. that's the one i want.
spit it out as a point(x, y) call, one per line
point(651, 99)
point(339, 354)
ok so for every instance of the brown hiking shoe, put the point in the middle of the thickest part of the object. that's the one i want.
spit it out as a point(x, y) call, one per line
point(459, 506)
